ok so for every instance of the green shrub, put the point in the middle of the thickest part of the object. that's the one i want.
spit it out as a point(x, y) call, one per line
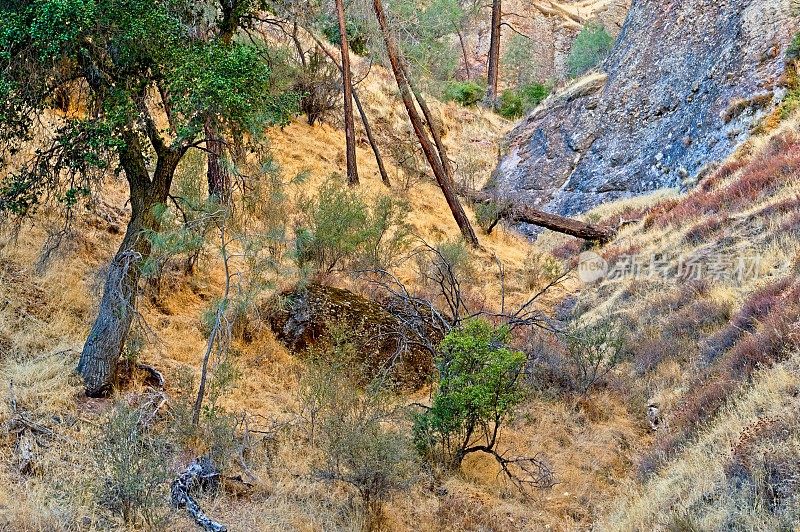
point(479, 385)
point(516, 102)
point(356, 431)
point(339, 229)
point(591, 46)
point(466, 93)
point(533, 94)
point(134, 469)
point(593, 349)
point(511, 104)
point(793, 51)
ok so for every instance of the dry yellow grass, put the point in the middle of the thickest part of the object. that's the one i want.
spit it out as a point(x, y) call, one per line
point(45, 316)
point(591, 444)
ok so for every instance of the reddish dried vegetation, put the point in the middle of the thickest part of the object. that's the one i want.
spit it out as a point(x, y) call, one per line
point(770, 322)
point(721, 174)
point(687, 319)
point(758, 178)
point(746, 320)
point(568, 250)
point(705, 229)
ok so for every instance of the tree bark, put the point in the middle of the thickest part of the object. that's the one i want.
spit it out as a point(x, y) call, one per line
point(493, 69)
point(219, 182)
point(518, 213)
point(436, 164)
point(373, 143)
point(347, 91)
point(432, 126)
point(104, 345)
point(218, 176)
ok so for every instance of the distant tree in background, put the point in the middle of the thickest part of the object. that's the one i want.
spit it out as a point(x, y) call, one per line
point(149, 84)
point(589, 49)
point(493, 67)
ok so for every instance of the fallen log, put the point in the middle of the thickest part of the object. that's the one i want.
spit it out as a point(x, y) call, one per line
point(201, 473)
point(518, 213)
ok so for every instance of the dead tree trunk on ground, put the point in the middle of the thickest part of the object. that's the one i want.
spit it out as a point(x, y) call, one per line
point(201, 473)
point(519, 213)
point(493, 68)
point(416, 122)
point(347, 89)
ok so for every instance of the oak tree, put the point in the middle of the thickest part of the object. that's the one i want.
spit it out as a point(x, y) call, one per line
point(150, 76)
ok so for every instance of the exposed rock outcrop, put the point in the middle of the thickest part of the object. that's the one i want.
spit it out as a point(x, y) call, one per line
point(386, 335)
point(685, 83)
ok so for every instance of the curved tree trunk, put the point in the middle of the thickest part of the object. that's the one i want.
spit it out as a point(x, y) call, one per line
point(107, 337)
point(103, 347)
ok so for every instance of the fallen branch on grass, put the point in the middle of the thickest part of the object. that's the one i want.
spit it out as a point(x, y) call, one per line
point(202, 474)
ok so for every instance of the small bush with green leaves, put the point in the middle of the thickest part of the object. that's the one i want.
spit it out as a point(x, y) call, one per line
point(479, 386)
point(594, 349)
point(591, 46)
point(134, 469)
point(793, 51)
point(356, 431)
point(467, 93)
point(534, 93)
point(516, 102)
point(339, 229)
point(511, 104)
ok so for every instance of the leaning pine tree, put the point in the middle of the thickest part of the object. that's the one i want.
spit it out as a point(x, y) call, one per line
point(150, 75)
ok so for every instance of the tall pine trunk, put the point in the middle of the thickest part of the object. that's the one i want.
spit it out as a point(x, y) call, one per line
point(347, 91)
point(416, 122)
point(493, 70)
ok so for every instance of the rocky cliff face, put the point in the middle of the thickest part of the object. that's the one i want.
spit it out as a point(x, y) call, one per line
point(685, 83)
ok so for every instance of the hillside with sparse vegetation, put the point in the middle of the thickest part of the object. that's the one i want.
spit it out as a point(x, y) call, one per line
point(254, 275)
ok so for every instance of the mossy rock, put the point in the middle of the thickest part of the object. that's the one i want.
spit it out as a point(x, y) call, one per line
point(302, 317)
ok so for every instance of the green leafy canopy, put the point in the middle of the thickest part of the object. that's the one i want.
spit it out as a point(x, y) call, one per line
point(130, 63)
